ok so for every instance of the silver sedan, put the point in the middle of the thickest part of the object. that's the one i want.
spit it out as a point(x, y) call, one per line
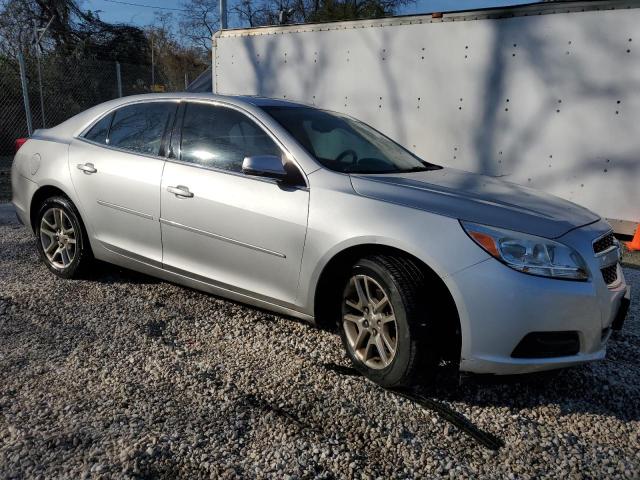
point(317, 215)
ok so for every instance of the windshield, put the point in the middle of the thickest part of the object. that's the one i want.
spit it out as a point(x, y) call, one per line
point(344, 144)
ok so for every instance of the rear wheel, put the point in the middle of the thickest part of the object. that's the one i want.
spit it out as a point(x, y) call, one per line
point(384, 325)
point(61, 238)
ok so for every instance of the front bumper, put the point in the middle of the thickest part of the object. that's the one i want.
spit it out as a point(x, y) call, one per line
point(621, 316)
point(499, 306)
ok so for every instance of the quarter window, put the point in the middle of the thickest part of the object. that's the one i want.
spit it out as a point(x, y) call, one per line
point(140, 127)
point(100, 130)
point(220, 137)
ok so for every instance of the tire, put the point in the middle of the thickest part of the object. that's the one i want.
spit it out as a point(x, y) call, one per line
point(53, 241)
point(403, 284)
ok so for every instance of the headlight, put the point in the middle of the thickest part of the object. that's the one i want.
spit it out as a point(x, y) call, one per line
point(528, 253)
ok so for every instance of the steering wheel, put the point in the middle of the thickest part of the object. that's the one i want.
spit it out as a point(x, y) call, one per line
point(344, 154)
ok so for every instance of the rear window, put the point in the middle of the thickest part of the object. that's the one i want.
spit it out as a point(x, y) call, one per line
point(140, 127)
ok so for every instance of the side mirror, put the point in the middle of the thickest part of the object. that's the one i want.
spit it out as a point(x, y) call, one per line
point(269, 166)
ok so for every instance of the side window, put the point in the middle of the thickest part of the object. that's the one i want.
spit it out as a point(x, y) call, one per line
point(100, 130)
point(220, 137)
point(139, 127)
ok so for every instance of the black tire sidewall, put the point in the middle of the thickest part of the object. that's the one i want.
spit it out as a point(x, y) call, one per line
point(64, 204)
point(396, 372)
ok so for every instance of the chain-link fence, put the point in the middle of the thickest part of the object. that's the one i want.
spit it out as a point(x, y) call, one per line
point(13, 121)
point(60, 87)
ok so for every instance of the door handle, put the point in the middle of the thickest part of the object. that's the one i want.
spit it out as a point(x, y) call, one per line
point(87, 168)
point(180, 191)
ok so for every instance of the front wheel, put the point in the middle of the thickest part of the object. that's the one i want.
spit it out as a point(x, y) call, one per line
point(384, 325)
point(62, 241)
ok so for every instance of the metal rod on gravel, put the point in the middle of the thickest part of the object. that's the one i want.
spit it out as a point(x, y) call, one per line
point(486, 439)
point(458, 420)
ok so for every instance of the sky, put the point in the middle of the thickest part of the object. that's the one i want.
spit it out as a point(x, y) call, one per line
point(115, 12)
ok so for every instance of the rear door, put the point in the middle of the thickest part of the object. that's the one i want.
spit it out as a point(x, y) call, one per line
point(219, 225)
point(116, 169)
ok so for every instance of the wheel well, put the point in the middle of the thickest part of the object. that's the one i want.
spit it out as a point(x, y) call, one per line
point(334, 274)
point(40, 196)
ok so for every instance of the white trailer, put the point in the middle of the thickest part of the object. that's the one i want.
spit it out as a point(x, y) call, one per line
point(546, 95)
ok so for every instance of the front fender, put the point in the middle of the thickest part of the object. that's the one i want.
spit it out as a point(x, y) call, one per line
point(436, 240)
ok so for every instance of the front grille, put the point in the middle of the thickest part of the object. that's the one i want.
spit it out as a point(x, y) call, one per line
point(610, 274)
point(603, 243)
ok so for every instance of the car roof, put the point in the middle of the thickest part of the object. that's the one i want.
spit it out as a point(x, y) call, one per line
point(268, 102)
point(255, 100)
point(74, 125)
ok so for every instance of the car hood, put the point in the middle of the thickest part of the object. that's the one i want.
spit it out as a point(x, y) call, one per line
point(477, 198)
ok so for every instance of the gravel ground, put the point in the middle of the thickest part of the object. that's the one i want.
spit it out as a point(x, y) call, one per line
point(631, 259)
point(120, 375)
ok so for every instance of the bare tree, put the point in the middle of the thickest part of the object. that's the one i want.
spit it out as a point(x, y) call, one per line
point(16, 26)
point(200, 19)
point(71, 31)
point(255, 13)
point(269, 12)
point(198, 22)
point(173, 59)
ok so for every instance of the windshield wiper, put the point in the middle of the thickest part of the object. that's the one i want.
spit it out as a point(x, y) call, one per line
point(424, 168)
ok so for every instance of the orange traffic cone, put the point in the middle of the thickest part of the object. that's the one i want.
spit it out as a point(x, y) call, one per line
point(634, 245)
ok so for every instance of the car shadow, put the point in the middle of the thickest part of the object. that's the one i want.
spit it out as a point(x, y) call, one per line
point(572, 390)
point(102, 272)
point(583, 389)
point(580, 389)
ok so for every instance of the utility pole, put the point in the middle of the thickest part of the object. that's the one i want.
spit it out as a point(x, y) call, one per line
point(222, 4)
point(119, 79)
point(25, 91)
point(223, 14)
point(36, 46)
point(153, 72)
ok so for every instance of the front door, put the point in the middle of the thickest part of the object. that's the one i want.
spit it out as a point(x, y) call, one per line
point(219, 225)
point(116, 169)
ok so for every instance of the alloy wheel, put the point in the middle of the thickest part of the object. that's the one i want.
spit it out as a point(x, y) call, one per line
point(369, 322)
point(58, 238)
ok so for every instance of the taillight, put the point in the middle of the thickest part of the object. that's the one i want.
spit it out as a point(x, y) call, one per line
point(20, 142)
